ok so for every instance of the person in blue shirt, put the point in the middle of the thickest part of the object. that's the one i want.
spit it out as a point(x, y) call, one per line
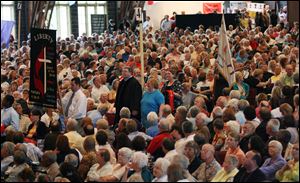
point(242, 56)
point(9, 116)
point(152, 119)
point(151, 101)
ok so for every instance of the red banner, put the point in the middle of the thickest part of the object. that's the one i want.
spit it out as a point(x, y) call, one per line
point(211, 7)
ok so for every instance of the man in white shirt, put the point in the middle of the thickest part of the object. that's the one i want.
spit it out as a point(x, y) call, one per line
point(98, 89)
point(147, 23)
point(78, 101)
point(74, 103)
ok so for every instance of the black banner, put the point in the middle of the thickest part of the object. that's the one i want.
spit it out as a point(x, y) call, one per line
point(43, 75)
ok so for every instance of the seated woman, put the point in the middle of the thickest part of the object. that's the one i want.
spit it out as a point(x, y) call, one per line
point(140, 168)
point(160, 170)
point(124, 157)
point(229, 170)
point(241, 86)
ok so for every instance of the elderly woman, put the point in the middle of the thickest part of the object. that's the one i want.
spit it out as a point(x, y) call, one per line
point(241, 86)
point(153, 130)
point(160, 170)
point(275, 162)
point(151, 101)
point(119, 170)
point(139, 166)
point(229, 170)
point(290, 171)
point(102, 168)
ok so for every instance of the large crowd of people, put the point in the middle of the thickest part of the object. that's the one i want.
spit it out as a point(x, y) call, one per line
point(184, 124)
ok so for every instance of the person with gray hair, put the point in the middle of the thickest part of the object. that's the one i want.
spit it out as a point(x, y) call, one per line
point(183, 161)
point(7, 152)
point(210, 167)
point(102, 124)
point(125, 113)
point(72, 159)
point(124, 157)
point(152, 119)
point(201, 124)
point(75, 139)
point(192, 113)
point(272, 128)
point(155, 146)
point(165, 111)
point(102, 168)
point(240, 117)
point(180, 115)
point(139, 165)
point(235, 94)
point(216, 112)
point(275, 162)
point(20, 164)
point(160, 169)
point(49, 162)
point(229, 170)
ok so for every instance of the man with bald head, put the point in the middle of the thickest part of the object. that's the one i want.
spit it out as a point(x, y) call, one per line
point(250, 171)
point(210, 167)
point(287, 79)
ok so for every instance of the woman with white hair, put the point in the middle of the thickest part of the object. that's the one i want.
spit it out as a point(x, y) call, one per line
point(152, 119)
point(275, 162)
point(160, 169)
point(124, 157)
point(139, 166)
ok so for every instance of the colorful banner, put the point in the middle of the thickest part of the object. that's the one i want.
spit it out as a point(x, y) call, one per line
point(224, 61)
point(212, 7)
point(6, 28)
point(43, 74)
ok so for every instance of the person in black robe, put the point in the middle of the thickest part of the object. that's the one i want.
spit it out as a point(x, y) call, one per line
point(219, 84)
point(129, 94)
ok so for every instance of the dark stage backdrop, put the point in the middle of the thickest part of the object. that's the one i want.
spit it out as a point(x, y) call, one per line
point(207, 20)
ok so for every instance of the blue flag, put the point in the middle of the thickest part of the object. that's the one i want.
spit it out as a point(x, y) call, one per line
point(6, 28)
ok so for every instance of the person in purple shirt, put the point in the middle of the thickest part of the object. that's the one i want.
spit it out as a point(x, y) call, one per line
point(275, 162)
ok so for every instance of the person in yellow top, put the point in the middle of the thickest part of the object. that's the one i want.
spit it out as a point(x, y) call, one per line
point(290, 172)
point(277, 74)
point(229, 170)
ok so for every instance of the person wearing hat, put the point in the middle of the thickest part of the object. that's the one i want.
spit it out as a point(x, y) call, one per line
point(9, 116)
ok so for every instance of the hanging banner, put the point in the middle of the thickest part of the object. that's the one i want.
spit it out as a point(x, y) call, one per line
point(43, 74)
point(212, 7)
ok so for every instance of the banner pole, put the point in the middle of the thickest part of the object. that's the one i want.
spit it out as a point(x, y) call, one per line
point(19, 24)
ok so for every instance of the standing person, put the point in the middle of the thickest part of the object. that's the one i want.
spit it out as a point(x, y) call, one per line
point(151, 101)
point(166, 24)
point(74, 104)
point(9, 116)
point(129, 95)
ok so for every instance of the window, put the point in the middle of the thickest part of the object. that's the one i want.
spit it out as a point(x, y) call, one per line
point(60, 19)
point(8, 13)
point(85, 9)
